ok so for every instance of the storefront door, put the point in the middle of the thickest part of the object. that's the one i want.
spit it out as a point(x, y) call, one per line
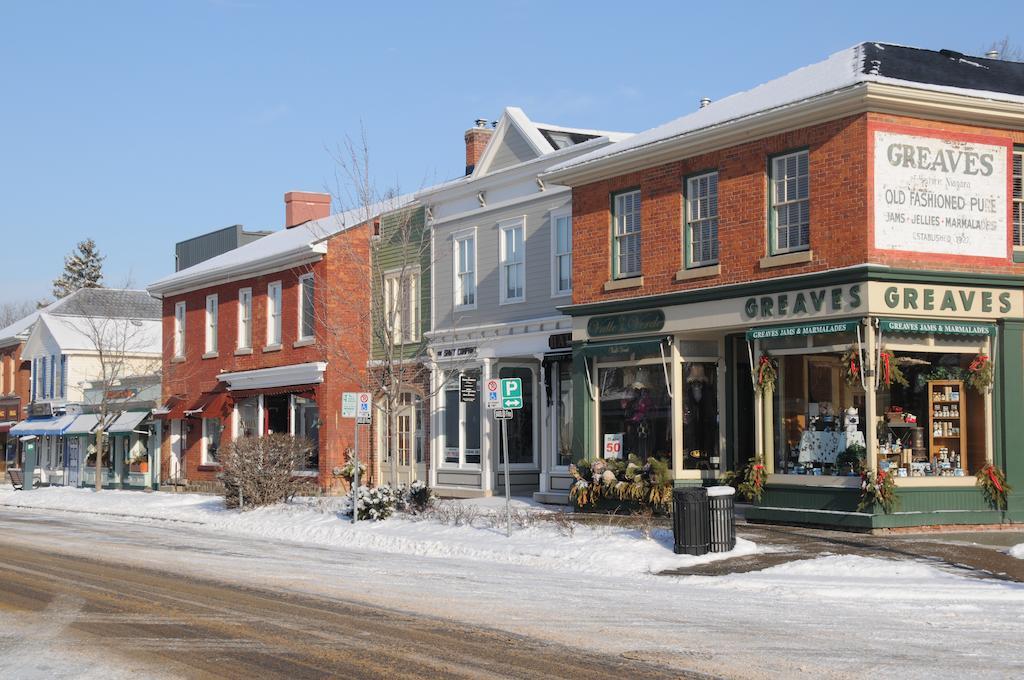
point(402, 453)
point(73, 463)
point(177, 451)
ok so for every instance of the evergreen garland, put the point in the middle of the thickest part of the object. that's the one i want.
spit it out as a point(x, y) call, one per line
point(852, 367)
point(980, 374)
point(767, 374)
point(889, 371)
point(993, 484)
point(879, 491)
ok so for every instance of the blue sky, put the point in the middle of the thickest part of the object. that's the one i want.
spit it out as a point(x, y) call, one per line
point(144, 123)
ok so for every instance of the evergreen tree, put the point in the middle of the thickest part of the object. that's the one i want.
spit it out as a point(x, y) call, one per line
point(83, 268)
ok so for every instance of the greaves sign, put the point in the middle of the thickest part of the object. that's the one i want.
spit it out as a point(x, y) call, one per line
point(940, 196)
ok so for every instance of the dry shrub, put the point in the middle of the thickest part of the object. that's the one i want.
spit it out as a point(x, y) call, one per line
point(261, 469)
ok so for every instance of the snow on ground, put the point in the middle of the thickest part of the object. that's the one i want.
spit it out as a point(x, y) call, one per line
point(586, 549)
point(1017, 551)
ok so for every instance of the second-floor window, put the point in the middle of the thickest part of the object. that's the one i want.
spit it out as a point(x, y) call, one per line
point(790, 206)
point(307, 312)
point(561, 253)
point(274, 313)
point(1018, 198)
point(245, 318)
point(211, 324)
point(465, 271)
point(401, 306)
point(626, 234)
point(179, 329)
point(513, 262)
point(702, 220)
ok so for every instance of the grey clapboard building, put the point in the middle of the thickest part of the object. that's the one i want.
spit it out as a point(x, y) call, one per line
point(502, 264)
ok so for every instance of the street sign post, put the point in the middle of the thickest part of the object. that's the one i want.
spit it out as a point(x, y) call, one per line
point(356, 405)
point(467, 388)
point(511, 393)
point(503, 414)
point(492, 394)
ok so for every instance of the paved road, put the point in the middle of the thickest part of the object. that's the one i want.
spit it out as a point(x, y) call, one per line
point(156, 623)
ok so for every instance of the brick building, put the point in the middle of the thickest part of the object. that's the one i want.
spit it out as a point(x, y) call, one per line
point(759, 277)
point(15, 381)
point(264, 339)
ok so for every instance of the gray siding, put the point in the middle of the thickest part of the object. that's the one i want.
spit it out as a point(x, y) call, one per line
point(201, 248)
point(513, 150)
point(521, 483)
point(560, 483)
point(489, 310)
point(458, 478)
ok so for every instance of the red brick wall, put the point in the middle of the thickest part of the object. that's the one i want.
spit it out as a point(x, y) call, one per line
point(839, 194)
point(341, 339)
point(15, 375)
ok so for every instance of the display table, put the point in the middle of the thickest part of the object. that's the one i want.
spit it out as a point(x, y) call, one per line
point(823, 447)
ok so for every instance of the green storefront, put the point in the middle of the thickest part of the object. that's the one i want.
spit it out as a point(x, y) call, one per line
point(923, 370)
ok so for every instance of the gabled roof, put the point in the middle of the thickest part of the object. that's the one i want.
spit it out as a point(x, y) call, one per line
point(80, 334)
point(282, 249)
point(540, 138)
point(99, 302)
point(938, 71)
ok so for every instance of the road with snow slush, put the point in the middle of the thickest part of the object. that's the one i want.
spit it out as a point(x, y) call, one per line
point(110, 597)
point(73, 615)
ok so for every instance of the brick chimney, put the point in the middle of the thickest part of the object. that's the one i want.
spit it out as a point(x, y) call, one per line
point(476, 141)
point(303, 206)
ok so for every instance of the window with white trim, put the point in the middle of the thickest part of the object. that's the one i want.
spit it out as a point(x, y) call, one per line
point(307, 312)
point(512, 258)
point(561, 253)
point(465, 271)
point(274, 314)
point(401, 306)
point(245, 318)
point(179, 329)
point(626, 234)
point(1018, 198)
point(790, 204)
point(211, 324)
point(212, 429)
point(702, 220)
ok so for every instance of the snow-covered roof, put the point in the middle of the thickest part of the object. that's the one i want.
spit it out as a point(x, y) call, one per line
point(939, 71)
point(82, 334)
point(281, 249)
point(107, 303)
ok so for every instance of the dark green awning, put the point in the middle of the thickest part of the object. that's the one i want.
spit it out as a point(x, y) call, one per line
point(623, 348)
point(966, 328)
point(803, 329)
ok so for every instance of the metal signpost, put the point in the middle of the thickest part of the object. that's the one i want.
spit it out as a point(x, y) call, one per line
point(493, 400)
point(511, 390)
point(356, 405)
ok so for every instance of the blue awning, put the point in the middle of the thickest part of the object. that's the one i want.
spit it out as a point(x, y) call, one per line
point(43, 426)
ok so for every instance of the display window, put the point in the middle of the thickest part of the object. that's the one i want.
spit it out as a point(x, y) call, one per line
point(635, 408)
point(700, 416)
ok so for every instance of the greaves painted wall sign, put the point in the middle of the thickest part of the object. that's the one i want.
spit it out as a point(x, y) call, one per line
point(940, 196)
point(631, 322)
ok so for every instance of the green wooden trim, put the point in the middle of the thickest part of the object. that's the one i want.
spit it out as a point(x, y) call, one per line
point(926, 327)
point(730, 395)
point(1018, 256)
point(835, 277)
point(583, 425)
point(1010, 397)
point(803, 329)
point(687, 231)
point(614, 249)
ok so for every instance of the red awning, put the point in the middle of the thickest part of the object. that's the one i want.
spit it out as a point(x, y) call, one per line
point(173, 409)
point(211, 405)
point(305, 391)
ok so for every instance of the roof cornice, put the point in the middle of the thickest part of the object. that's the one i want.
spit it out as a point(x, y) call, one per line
point(853, 100)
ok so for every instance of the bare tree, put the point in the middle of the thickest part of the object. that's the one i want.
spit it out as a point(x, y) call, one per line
point(1006, 50)
point(15, 311)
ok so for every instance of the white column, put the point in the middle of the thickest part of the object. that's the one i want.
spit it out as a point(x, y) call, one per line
point(487, 443)
point(678, 399)
point(871, 399)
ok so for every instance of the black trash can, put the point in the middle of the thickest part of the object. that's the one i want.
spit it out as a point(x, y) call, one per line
point(722, 510)
point(690, 520)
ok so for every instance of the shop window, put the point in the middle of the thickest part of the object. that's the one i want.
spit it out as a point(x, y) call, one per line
point(276, 407)
point(1018, 198)
point(702, 220)
point(790, 205)
point(211, 440)
point(461, 424)
point(635, 409)
point(248, 413)
point(307, 426)
point(626, 234)
point(700, 416)
point(562, 390)
point(520, 428)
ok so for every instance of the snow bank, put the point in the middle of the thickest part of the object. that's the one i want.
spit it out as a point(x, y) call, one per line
point(589, 549)
point(1017, 551)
